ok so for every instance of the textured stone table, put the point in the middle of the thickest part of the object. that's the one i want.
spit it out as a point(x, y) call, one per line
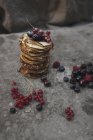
point(73, 45)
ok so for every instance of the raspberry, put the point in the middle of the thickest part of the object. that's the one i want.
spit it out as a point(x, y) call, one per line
point(20, 106)
point(35, 30)
point(76, 68)
point(40, 93)
point(41, 32)
point(14, 90)
point(69, 113)
point(88, 78)
point(48, 33)
point(26, 101)
point(14, 83)
point(56, 64)
point(30, 98)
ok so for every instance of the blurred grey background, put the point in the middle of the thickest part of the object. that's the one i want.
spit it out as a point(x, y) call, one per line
point(41, 13)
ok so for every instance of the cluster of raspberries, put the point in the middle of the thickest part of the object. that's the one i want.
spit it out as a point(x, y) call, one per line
point(22, 101)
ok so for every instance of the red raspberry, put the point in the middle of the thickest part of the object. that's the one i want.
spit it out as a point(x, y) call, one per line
point(56, 64)
point(42, 102)
point(76, 68)
point(21, 96)
point(14, 95)
point(36, 98)
point(13, 83)
point(14, 90)
point(88, 78)
point(35, 30)
point(67, 109)
point(40, 93)
point(48, 33)
point(30, 98)
point(40, 32)
point(17, 103)
point(26, 101)
point(20, 106)
point(69, 118)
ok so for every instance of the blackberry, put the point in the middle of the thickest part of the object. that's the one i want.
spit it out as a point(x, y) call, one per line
point(12, 110)
point(61, 69)
point(30, 33)
point(66, 79)
point(39, 107)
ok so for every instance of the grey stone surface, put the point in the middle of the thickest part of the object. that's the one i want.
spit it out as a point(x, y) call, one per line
point(72, 46)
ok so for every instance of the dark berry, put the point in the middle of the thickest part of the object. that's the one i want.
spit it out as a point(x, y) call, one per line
point(43, 79)
point(30, 33)
point(89, 64)
point(56, 64)
point(83, 72)
point(47, 83)
point(72, 80)
point(35, 37)
point(72, 86)
point(66, 79)
point(89, 69)
point(39, 107)
point(83, 66)
point(61, 69)
point(75, 73)
point(13, 110)
point(76, 68)
point(77, 88)
point(90, 85)
point(14, 90)
point(78, 78)
point(83, 83)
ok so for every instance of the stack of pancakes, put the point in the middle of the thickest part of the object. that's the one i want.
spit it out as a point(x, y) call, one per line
point(34, 57)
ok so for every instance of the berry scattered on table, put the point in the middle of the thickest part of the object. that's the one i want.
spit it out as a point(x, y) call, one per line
point(82, 76)
point(69, 113)
point(77, 88)
point(61, 69)
point(12, 110)
point(43, 79)
point(56, 64)
point(47, 83)
point(66, 79)
point(39, 107)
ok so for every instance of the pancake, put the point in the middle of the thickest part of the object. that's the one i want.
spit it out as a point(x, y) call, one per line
point(34, 56)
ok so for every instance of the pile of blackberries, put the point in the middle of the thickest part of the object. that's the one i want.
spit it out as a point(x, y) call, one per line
point(82, 76)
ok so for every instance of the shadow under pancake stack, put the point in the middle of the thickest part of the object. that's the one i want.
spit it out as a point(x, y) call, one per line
point(34, 56)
